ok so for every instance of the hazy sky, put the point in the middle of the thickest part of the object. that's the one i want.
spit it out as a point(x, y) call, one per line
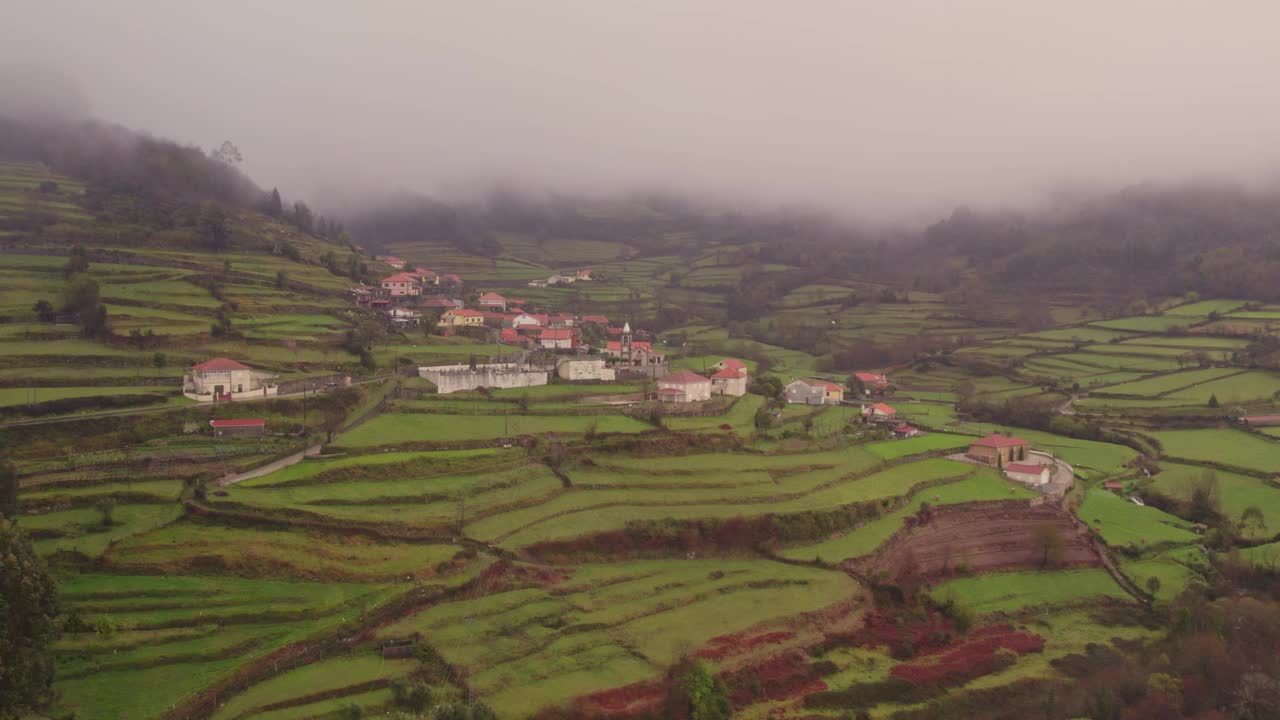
point(879, 108)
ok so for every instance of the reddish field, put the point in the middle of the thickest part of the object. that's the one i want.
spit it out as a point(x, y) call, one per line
point(741, 643)
point(969, 658)
point(977, 536)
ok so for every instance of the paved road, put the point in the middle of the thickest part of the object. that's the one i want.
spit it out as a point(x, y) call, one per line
point(271, 467)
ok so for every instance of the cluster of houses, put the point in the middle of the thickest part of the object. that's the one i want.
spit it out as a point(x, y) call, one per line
point(730, 377)
point(558, 279)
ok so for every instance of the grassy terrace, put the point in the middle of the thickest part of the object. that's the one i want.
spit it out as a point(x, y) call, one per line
point(609, 625)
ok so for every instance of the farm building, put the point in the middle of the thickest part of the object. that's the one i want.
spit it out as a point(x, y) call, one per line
point(248, 427)
point(879, 413)
point(1261, 420)
point(556, 339)
point(226, 379)
point(585, 370)
point(493, 301)
point(729, 382)
point(999, 450)
point(1027, 474)
point(684, 387)
point(391, 260)
point(808, 391)
point(403, 317)
point(1113, 486)
point(401, 285)
point(904, 431)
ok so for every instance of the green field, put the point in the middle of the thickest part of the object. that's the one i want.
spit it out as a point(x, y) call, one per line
point(1233, 448)
point(403, 428)
point(1232, 491)
point(1121, 522)
point(1004, 592)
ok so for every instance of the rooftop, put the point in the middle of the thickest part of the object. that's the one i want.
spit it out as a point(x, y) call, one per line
point(246, 422)
point(996, 440)
point(220, 364)
point(684, 377)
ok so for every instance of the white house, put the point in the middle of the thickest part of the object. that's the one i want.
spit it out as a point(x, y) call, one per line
point(879, 413)
point(587, 369)
point(813, 392)
point(556, 339)
point(401, 284)
point(684, 387)
point(493, 301)
point(226, 379)
point(1027, 474)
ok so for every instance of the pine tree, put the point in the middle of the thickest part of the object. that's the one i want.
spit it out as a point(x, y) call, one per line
point(29, 606)
point(275, 208)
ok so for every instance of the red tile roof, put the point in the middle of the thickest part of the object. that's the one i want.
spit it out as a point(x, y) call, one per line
point(670, 391)
point(727, 374)
point(400, 277)
point(1113, 485)
point(557, 334)
point(509, 335)
point(247, 422)
point(883, 409)
point(492, 297)
point(467, 312)
point(996, 440)
point(903, 428)
point(440, 302)
point(684, 377)
point(451, 277)
point(1256, 419)
point(872, 378)
point(1024, 468)
point(595, 319)
point(635, 345)
point(731, 364)
point(220, 364)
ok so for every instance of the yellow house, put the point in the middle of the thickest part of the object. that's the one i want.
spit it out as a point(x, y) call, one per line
point(461, 318)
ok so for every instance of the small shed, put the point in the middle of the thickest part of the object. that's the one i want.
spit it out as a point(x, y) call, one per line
point(245, 427)
point(1027, 474)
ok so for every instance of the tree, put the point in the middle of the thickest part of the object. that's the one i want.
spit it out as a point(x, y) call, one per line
point(1153, 585)
point(856, 386)
point(212, 227)
point(1213, 401)
point(303, 218)
point(8, 490)
point(43, 310)
point(81, 296)
point(1049, 546)
point(695, 693)
point(1252, 517)
point(275, 207)
point(77, 262)
point(29, 606)
point(227, 153)
point(159, 360)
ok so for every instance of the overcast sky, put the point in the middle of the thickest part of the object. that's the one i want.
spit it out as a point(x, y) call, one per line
point(878, 108)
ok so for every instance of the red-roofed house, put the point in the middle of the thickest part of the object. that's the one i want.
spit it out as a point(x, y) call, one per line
point(873, 381)
point(879, 413)
point(1261, 420)
point(493, 301)
point(809, 391)
point(730, 378)
point(1027, 474)
point(595, 320)
point(684, 387)
point(583, 274)
point(443, 303)
point(391, 260)
point(451, 280)
point(999, 450)
point(401, 284)
point(510, 337)
point(1114, 485)
point(615, 348)
point(224, 379)
point(556, 339)
point(247, 427)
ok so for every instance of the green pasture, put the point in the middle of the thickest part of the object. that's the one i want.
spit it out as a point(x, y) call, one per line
point(400, 428)
point(928, 442)
point(1235, 448)
point(1231, 491)
point(1121, 522)
point(1204, 307)
point(1010, 591)
point(1166, 384)
point(980, 484)
point(24, 396)
point(1148, 323)
point(1238, 388)
point(610, 625)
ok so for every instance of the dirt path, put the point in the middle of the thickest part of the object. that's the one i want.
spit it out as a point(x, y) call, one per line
point(271, 467)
